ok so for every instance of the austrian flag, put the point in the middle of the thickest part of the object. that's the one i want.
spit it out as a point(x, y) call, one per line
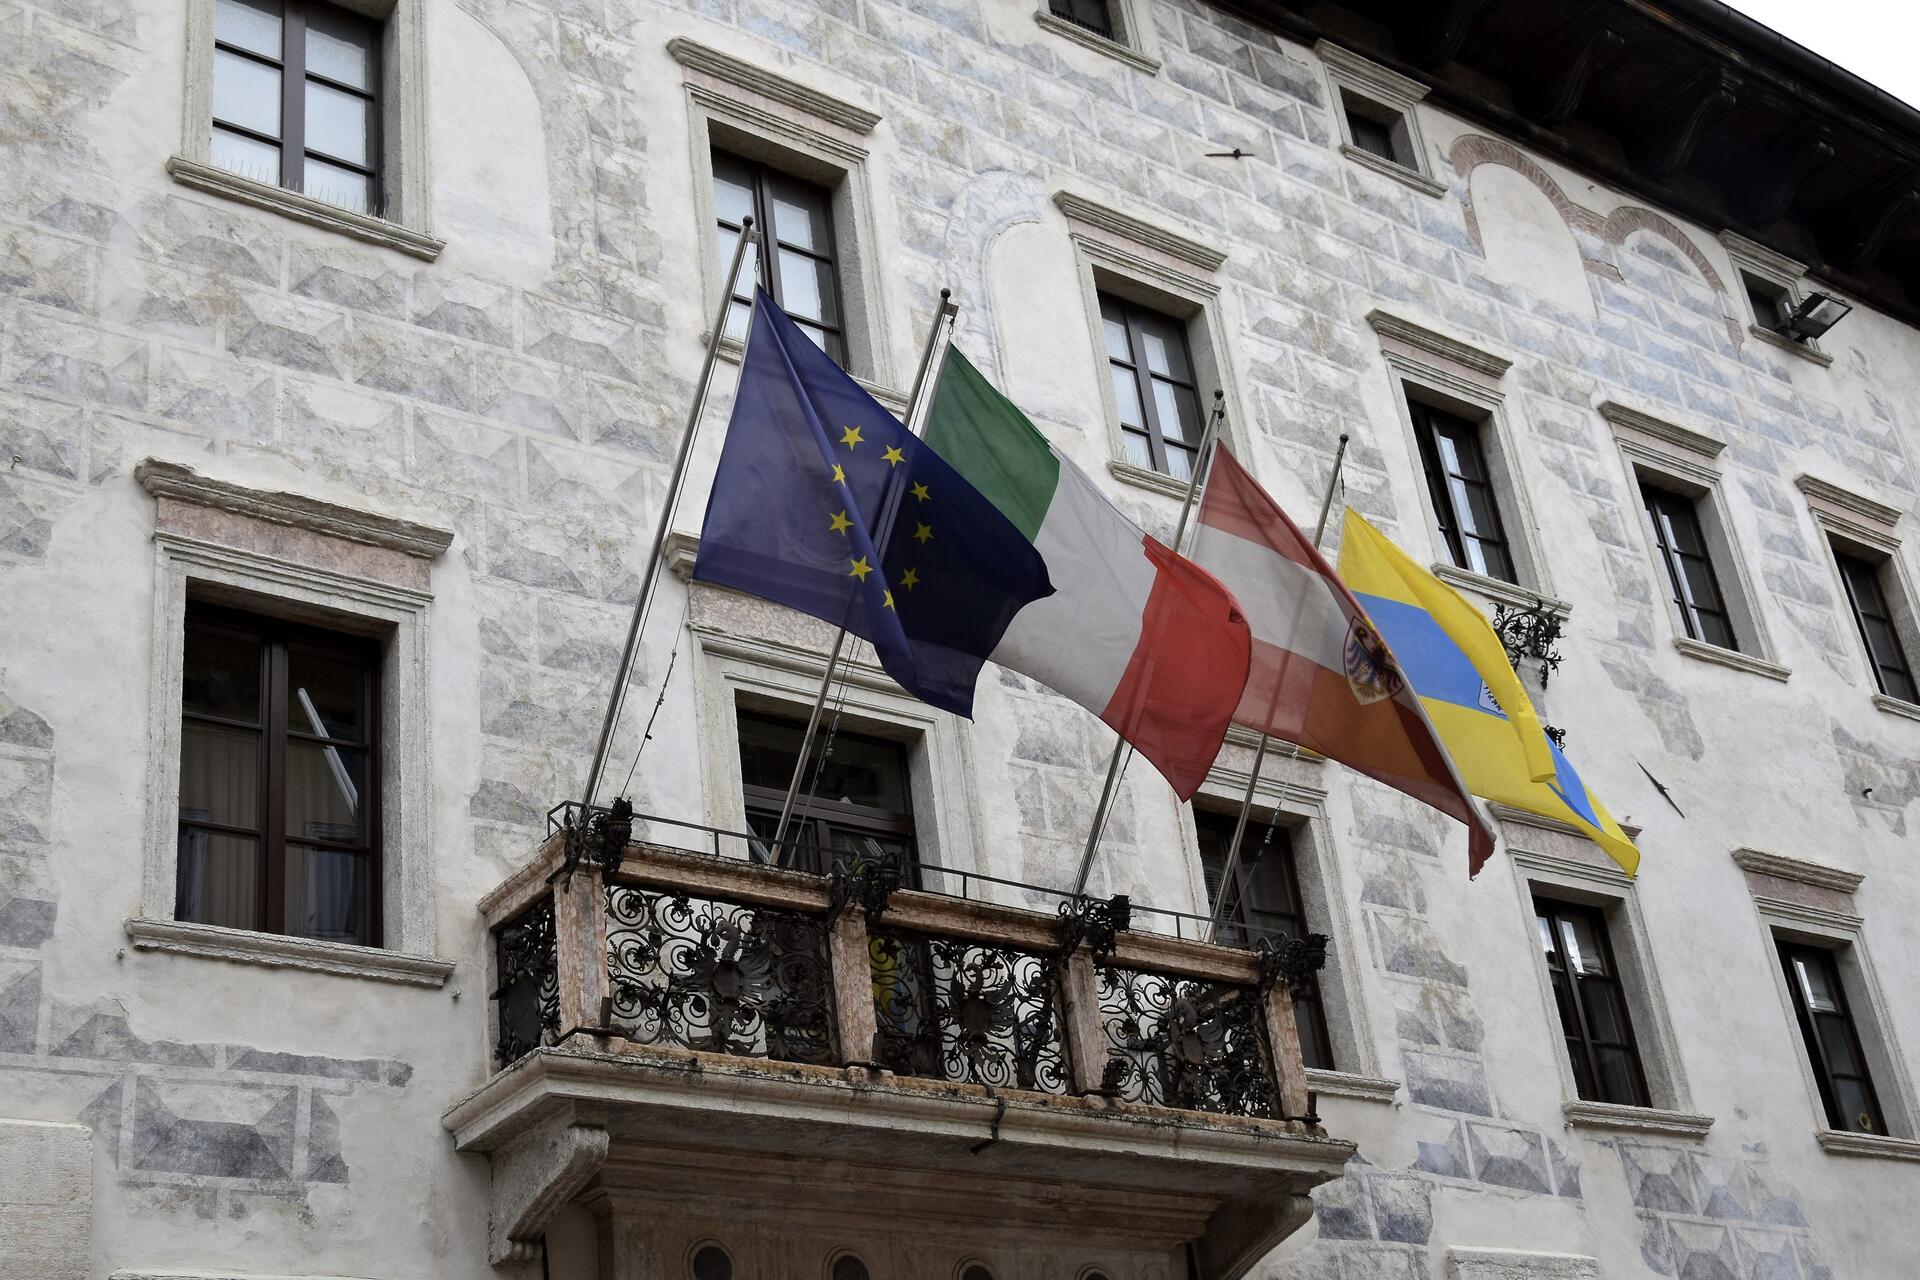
point(1321, 674)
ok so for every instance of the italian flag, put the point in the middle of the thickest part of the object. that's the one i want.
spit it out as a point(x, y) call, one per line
point(1141, 636)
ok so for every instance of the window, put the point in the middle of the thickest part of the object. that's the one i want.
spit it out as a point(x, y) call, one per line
point(1832, 1040)
point(710, 1262)
point(1878, 630)
point(1264, 901)
point(1093, 15)
point(1772, 303)
point(1592, 1005)
point(1681, 547)
point(1375, 129)
point(1153, 385)
point(1378, 117)
point(795, 262)
point(1462, 490)
point(295, 99)
point(278, 813)
point(855, 800)
point(849, 1267)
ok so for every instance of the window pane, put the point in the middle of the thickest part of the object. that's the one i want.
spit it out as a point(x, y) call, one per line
point(326, 894)
point(336, 123)
point(1115, 331)
point(220, 774)
point(1477, 514)
point(749, 265)
point(326, 696)
point(325, 787)
point(732, 189)
point(339, 47)
point(1582, 946)
point(1815, 985)
point(1841, 1059)
point(806, 287)
point(1126, 394)
point(1583, 1082)
point(1179, 412)
point(827, 342)
point(249, 24)
point(800, 216)
point(343, 187)
point(1371, 135)
point(1857, 1112)
point(1546, 937)
point(221, 675)
point(1179, 462)
point(1459, 448)
point(1138, 452)
point(1619, 1082)
point(219, 880)
point(737, 317)
point(1165, 345)
point(1490, 558)
point(1606, 1020)
point(1716, 630)
point(246, 93)
point(863, 771)
point(246, 157)
point(1684, 523)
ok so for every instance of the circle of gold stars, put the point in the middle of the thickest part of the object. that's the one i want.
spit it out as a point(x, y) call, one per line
point(840, 522)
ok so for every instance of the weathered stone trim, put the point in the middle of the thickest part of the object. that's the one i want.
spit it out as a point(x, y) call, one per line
point(213, 1275)
point(184, 484)
point(304, 208)
point(742, 74)
point(1757, 259)
point(1838, 1143)
point(1393, 169)
point(1705, 447)
point(1368, 76)
point(277, 951)
point(1732, 658)
point(1896, 707)
point(1144, 234)
point(1499, 589)
point(1443, 347)
point(1781, 867)
point(1348, 1084)
point(1146, 478)
point(534, 1178)
point(1805, 350)
point(1852, 514)
point(1098, 43)
point(734, 351)
point(1518, 1264)
point(1657, 1121)
point(1836, 924)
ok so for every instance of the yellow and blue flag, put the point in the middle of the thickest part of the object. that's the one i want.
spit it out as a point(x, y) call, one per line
point(1480, 710)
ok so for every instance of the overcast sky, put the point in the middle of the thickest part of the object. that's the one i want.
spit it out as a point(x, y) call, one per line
point(1877, 40)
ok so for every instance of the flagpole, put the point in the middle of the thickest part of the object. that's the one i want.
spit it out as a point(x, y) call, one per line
point(942, 320)
point(1260, 755)
point(1120, 746)
point(650, 578)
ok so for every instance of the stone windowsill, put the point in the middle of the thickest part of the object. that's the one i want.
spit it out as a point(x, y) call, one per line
point(1805, 350)
point(1896, 706)
point(1731, 658)
point(1346, 1084)
point(1581, 1114)
point(1393, 169)
point(214, 942)
point(733, 351)
point(1148, 479)
point(1098, 43)
point(304, 208)
point(1498, 589)
point(1834, 1142)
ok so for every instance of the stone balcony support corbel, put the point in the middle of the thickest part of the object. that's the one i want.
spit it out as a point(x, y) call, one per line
point(536, 1176)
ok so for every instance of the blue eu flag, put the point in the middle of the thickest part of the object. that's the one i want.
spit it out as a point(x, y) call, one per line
point(823, 502)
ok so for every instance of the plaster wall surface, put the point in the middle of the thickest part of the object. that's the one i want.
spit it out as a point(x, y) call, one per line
point(523, 391)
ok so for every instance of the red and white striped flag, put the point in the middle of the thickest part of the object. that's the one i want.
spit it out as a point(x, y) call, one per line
point(1321, 674)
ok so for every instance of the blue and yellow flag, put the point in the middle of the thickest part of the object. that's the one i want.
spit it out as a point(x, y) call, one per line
point(1478, 706)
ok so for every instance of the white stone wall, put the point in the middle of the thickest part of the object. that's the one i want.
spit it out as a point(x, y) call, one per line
point(523, 391)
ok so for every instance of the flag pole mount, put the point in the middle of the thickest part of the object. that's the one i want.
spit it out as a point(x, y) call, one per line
point(1120, 748)
point(942, 319)
point(1260, 753)
point(650, 577)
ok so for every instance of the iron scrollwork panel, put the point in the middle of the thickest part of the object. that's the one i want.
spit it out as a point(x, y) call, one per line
point(1185, 1042)
point(528, 994)
point(950, 1009)
point(719, 976)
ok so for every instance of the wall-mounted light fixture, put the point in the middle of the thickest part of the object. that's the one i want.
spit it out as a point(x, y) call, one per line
point(1817, 313)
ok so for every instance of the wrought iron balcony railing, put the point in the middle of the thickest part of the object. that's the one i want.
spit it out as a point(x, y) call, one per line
point(639, 947)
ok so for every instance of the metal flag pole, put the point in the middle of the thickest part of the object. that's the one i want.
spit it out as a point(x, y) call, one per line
point(922, 383)
point(656, 557)
point(1121, 749)
point(1260, 755)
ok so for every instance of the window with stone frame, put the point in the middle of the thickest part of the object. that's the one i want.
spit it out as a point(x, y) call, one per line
point(1263, 901)
point(855, 796)
point(1460, 482)
point(1831, 1038)
point(1091, 15)
point(1377, 129)
point(279, 828)
point(1869, 600)
point(796, 261)
point(1591, 1002)
point(1686, 566)
point(1154, 386)
point(296, 99)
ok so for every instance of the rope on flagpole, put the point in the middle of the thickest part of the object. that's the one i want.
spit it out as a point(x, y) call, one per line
point(1260, 753)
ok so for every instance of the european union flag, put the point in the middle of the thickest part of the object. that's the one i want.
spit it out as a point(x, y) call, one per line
point(823, 502)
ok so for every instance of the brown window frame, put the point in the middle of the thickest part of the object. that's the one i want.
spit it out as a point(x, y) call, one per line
point(1892, 672)
point(1266, 875)
point(1815, 1046)
point(275, 637)
point(767, 252)
point(294, 74)
point(1429, 424)
point(814, 821)
point(1570, 993)
point(1662, 504)
point(1144, 377)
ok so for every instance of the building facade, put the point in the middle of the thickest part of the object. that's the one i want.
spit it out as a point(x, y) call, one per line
point(343, 356)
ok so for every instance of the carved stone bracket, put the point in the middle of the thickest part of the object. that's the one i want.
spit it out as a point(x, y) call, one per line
point(1803, 152)
point(536, 1177)
point(1556, 95)
point(1675, 125)
point(1433, 35)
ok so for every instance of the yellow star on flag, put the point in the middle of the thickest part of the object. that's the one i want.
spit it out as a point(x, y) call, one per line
point(840, 522)
point(910, 579)
point(860, 569)
point(888, 602)
point(850, 436)
point(839, 476)
point(922, 532)
point(892, 456)
point(919, 491)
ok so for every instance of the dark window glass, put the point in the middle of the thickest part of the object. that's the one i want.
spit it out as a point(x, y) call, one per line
point(1462, 490)
point(848, 1267)
point(1832, 1040)
point(855, 800)
point(1877, 628)
point(710, 1262)
point(1153, 383)
point(1263, 902)
point(296, 99)
point(279, 819)
point(1371, 135)
point(1094, 15)
point(795, 261)
point(1591, 1003)
point(976, 1272)
point(1688, 566)
point(1769, 301)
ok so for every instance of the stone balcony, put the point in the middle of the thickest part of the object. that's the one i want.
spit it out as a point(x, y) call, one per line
point(699, 1048)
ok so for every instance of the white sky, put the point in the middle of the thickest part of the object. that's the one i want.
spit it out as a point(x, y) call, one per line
point(1875, 39)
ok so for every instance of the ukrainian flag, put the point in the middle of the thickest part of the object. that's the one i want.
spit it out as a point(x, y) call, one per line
point(1477, 704)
